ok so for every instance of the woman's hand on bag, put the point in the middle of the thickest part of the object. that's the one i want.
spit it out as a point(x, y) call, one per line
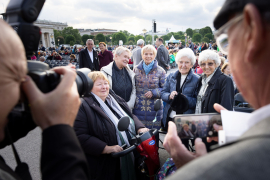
point(173, 94)
point(112, 149)
point(149, 94)
point(142, 130)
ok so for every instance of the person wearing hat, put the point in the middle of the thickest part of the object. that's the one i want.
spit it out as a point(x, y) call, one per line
point(242, 33)
point(179, 89)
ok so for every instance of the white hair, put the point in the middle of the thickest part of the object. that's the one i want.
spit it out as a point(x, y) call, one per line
point(120, 50)
point(140, 42)
point(186, 52)
point(209, 55)
point(89, 40)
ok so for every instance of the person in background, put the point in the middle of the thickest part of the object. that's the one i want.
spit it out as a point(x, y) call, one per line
point(150, 79)
point(88, 57)
point(72, 58)
point(137, 53)
point(172, 59)
point(162, 56)
point(105, 56)
point(58, 57)
point(121, 77)
point(33, 57)
point(42, 59)
point(184, 82)
point(222, 61)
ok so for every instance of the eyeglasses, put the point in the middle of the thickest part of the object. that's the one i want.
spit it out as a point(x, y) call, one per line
point(222, 36)
point(209, 64)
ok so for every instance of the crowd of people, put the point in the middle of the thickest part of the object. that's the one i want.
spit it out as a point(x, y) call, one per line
point(78, 138)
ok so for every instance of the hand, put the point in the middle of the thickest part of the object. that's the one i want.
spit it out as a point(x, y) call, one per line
point(218, 108)
point(173, 94)
point(142, 130)
point(57, 107)
point(149, 94)
point(178, 151)
point(112, 149)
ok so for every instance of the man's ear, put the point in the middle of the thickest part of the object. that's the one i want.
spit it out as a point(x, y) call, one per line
point(253, 25)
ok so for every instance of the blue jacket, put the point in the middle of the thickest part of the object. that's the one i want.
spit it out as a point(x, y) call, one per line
point(154, 82)
point(189, 90)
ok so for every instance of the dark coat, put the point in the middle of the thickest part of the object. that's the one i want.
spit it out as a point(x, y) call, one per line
point(188, 90)
point(94, 131)
point(220, 90)
point(105, 58)
point(163, 57)
point(86, 62)
point(61, 154)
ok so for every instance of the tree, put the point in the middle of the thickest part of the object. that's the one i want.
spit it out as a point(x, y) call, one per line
point(100, 37)
point(177, 36)
point(131, 38)
point(138, 37)
point(85, 37)
point(108, 38)
point(91, 37)
point(61, 40)
point(119, 36)
point(70, 31)
point(71, 43)
point(70, 38)
point(209, 36)
point(207, 30)
point(206, 39)
point(180, 33)
point(197, 37)
point(165, 38)
point(202, 32)
point(126, 33)
point(189, 32)
point(155, 37)
point(130, 43)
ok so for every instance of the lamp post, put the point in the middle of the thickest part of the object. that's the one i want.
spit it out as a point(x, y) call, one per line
point(111, 40)
point(144, 31)
point(58, 42)
point(52, 39)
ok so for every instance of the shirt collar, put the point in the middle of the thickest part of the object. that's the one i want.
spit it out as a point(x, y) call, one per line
point(259, 115)
point(89, 51)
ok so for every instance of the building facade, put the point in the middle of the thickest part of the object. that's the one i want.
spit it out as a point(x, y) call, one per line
point(94, 32)
point(47, 34)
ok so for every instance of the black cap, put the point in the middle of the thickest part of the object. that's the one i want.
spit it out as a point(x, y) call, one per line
point(234, 6)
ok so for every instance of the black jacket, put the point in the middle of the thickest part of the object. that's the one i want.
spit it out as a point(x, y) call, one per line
point(61, 154)
point(94, 131)
point(220, 90)
point(86, 62)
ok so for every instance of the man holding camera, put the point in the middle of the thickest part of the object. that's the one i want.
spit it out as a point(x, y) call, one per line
point(245, 25)
point(61, 156)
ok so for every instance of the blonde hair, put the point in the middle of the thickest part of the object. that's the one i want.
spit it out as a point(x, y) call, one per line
point(225, 65)
point(149, 48)
point(222, 59)
point(97, 75)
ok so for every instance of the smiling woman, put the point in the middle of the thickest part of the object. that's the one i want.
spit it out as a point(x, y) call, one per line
point(121, 77)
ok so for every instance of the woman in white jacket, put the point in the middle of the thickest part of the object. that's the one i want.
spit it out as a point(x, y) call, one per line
point(121, 77)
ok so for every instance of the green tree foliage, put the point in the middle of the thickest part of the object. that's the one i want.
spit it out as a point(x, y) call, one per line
point(61, 40)
point(208, 30)
point(71, 43)
point(108, 38)
point(206, 39)
point(91, 37)
point(197, 37)
point(148, 38)
point(209, 36)
point(100, 37)
point(70, 31)
point(119, 36)
point(131, 38)
point(155, 37)
point(138, 37)
point(189, 32)
point(131, 43)
point(84, 38)
point(177, 36)
point(202, 32)
point(165, 38)
point(180, 33)
point(70, 38)
point(126, 33)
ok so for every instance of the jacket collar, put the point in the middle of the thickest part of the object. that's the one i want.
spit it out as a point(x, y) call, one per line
point(108, 69)
point(140, 66)
point(188, 76)
point(215, 77)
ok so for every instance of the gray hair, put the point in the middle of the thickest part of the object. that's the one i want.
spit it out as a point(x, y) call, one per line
point(42, 57)
point(120, 50)
point(186, 52)
point(209, 55)
point(89, 40)
point(140, 42)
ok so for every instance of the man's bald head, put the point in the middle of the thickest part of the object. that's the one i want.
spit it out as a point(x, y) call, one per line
point(12, 71)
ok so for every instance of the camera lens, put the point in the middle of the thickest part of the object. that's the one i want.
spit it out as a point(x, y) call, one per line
point(84, 83)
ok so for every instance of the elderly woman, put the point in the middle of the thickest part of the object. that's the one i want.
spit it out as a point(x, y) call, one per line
point(105, 56)
point(184, 82)
point(121, 77)
point(150, 79)
point(213, 86)
point(96, 129)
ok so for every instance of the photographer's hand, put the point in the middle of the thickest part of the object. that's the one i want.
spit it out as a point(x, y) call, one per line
point(178, 151)
point(57, 107)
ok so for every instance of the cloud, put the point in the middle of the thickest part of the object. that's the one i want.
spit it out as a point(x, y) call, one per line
point(132, 15)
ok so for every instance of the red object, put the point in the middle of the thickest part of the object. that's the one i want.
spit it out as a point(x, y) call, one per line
point(198, 70)
point(105, 58)
point(130, 62)
point(149, 150)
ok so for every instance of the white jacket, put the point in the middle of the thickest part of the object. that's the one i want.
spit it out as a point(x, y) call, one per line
point(107, 71)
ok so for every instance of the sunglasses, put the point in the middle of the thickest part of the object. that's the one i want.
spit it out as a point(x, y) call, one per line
point(209, 64)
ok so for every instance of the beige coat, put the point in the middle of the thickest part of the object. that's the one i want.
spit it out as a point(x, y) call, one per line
point(107, 71)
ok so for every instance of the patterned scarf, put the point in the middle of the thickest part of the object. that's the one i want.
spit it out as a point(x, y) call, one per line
point(148, 68)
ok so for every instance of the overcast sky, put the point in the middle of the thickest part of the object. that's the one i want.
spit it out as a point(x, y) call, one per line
point(131, 15)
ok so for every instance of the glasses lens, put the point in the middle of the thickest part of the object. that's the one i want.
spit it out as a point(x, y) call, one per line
point(223, 43)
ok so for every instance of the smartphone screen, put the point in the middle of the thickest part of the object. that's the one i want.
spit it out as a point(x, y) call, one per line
point(199, 125)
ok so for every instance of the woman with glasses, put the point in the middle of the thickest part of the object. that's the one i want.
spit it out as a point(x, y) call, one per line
point(213, 86)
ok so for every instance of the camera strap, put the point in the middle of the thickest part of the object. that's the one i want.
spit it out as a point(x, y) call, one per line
point(22, 169)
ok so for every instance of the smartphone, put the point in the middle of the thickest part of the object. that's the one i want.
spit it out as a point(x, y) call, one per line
point(197, 125)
